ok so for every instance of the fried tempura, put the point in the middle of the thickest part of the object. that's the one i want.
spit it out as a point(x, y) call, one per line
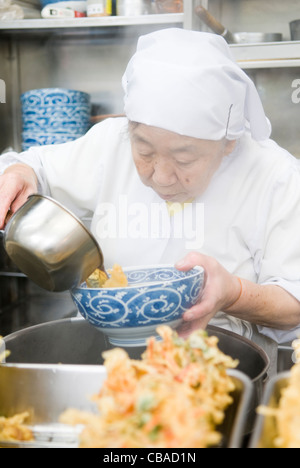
point(99, 279)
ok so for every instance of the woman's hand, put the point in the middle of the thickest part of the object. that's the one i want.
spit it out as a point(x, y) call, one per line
point(220, 291)
point(16, 184)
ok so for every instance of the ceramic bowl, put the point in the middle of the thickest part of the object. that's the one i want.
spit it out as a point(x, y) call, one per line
point(155, 295)
point(54, 96)
point(56, 117)
point(30, 139)
point(55, 126)
point(45, 114)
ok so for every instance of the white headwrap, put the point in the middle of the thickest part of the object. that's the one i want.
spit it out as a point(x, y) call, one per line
point(187, 82)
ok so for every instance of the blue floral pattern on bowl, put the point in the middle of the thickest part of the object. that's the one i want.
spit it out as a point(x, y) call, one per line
point(54, 97)
point(36, 139)
point(76, 111)
point(73, 119)
point(155, 295)
point(53, 116)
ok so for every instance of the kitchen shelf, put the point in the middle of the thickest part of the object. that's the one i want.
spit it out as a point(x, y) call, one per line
point(267, 55)
point(249, 56)
point(21, 26)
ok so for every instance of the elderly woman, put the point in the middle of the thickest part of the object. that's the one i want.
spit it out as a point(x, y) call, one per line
point(190, 177)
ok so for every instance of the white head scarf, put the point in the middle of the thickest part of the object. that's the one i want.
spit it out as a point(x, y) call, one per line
point(187, 82)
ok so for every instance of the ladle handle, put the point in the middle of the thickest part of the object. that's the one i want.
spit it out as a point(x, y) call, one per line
point(213, 23)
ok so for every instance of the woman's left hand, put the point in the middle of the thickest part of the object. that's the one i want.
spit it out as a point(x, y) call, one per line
point(220, 291)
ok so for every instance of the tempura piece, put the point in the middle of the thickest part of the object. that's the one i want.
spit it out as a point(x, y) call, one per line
point(117, 278)
point(174, 397)
point(96, 279)
point(14, 429)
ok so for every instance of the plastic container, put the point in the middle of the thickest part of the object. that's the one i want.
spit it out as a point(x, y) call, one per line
point(169, 6)
point(97, 8)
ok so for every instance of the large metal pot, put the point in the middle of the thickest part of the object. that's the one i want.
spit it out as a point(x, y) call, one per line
point(295, 30)
point(75, 341)
point(50, 245)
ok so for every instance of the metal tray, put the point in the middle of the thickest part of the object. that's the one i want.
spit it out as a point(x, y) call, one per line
point(2, 349)
point(286, 358)
point(48, 390)
point(264, 431)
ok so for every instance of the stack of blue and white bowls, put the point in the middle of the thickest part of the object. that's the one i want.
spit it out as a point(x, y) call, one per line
point(53, 116)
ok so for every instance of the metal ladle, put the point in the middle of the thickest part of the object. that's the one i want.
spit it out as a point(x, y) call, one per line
point(50, 245)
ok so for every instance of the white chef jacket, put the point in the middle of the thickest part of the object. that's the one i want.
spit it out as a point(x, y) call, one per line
point(248, 218)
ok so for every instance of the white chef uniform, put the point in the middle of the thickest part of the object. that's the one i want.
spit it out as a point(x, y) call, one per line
point(249, 215)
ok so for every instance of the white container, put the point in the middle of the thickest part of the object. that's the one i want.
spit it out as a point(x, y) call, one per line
point(99, 8)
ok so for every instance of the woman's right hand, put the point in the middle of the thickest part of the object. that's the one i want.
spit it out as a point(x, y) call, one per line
point(16, 184)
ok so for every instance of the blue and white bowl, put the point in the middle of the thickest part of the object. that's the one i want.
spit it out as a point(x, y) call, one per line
point(155, 295)
point(55, 126)
point(53, 116)
point(45, 114)
point(30, 139)
point(54, 97)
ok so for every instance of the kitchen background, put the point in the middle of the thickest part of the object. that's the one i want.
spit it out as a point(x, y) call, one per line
point(90, 54)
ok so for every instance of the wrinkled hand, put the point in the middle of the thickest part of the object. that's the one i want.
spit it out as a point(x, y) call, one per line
point(16, 184)
point(220, 291)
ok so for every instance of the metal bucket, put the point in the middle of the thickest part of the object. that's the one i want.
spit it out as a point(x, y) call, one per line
point(265, 432)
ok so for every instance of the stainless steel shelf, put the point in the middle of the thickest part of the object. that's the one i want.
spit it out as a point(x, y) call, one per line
point(78, 23)
point(267, 55)
point(249, 56)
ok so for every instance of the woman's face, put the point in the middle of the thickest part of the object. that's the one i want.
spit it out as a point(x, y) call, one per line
point(176, 167)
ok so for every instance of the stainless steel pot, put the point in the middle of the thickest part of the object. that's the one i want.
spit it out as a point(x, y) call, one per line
point(235, 38)
point(75, 341)
point(50, 245)
point(295, 30)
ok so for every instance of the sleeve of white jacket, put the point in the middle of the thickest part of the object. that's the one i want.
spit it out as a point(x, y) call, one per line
point(72, 172)
point(280, 253)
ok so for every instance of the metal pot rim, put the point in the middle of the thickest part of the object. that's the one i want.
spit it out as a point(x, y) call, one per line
point(248, 342)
